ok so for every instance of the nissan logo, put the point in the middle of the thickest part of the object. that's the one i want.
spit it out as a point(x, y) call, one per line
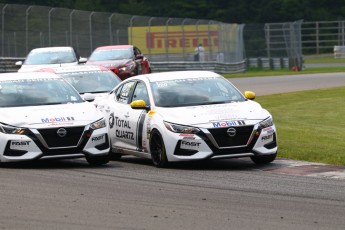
point(61, 132)
point(231, 132)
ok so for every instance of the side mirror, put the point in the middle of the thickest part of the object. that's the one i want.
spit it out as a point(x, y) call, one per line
point(139, 104)
point(139, 56)
point(89, 97)
point(82, 60)
point(19, 63)
point(249, 95)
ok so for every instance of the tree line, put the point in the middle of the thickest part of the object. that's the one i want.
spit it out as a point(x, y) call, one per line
point(229, 11)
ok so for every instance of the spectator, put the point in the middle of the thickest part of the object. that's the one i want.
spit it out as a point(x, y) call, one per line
point(199, 53)
point(220, 57)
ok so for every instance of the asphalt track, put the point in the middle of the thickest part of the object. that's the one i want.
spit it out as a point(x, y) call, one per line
point(224, 194)
point(288, 83)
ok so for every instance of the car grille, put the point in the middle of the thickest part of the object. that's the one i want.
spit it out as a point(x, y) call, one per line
point(243, 134)
point(53, 140)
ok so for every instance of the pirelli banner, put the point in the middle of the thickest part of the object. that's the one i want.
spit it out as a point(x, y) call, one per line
point(184, 39)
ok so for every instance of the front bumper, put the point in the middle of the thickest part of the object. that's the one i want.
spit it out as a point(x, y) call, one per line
point(217, 144)
point(44, 143)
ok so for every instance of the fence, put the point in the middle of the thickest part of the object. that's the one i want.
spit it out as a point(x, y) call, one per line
point(161, 39)
point(25, 27)
point(321, 37)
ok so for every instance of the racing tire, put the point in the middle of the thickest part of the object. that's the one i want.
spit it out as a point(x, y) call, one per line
point(263, 159)
point(115, 156)
point(99, 160)
point(158, 152)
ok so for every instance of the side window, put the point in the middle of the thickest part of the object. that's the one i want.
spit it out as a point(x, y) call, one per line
point(140, 93)
point(122, 94)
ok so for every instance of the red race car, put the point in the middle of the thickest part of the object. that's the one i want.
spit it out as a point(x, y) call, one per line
point(124, 60)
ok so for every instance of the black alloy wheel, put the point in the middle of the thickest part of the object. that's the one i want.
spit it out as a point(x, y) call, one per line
point(157, 147)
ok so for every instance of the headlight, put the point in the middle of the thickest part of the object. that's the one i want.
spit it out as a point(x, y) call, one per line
point(11, 129)
point(128, 66)
point(266, 123)
point(98, 124)
point(180, 128)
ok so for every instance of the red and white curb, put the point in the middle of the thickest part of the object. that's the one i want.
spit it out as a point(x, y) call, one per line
point(303, 168)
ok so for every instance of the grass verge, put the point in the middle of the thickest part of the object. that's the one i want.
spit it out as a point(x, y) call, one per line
point(315, 59)
point(310, 124)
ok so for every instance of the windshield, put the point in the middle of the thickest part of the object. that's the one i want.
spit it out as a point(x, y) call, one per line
point(111, 54)
point(92, 81)
point(50, 57)
point(33, 92)
point(194, 91)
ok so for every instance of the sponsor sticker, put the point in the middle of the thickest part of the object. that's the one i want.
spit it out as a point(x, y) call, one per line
point(20, 145)
point(188, 138)
point(227, 123)
point(268, 130)
point(186, 135)
point(56, 119)
point(266, 138)
point(98, 139)
point(122, 127)
point(190, 145)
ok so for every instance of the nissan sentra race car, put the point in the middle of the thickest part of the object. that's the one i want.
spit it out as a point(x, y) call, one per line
point(45, 57)
point(185, 116)
point(124, 60)
point(42, 116)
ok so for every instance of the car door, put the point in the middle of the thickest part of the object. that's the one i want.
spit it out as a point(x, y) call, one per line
point(125, 123)
point(138, 117)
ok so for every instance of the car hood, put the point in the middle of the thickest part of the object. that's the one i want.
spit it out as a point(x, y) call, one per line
point(79, 114)
point(32, 68)
point(207, 116)
point(110, 63)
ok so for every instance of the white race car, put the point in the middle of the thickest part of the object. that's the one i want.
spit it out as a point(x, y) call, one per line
point(45, 57)
point(91, 81)
point(187, 115)
point(42, 116)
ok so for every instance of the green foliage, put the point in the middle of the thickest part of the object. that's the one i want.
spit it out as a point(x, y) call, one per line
point(235, 11)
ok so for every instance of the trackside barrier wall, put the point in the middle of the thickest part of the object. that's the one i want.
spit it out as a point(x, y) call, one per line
point(8, 65)
point(339, 51)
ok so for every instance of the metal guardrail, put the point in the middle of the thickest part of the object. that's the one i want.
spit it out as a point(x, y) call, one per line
point(221, 68)
point(339, 51)
point(8, 65)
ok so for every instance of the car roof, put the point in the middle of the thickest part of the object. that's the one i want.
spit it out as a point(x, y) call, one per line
point(55, 48)
point(175, 75)
point(27, 75)
point(114, 47)
point(76, 68)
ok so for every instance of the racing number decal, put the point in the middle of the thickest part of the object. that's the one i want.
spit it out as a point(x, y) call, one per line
point(140, 127)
